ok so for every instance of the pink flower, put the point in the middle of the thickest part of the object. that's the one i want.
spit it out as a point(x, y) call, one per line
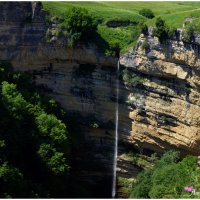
point(188, 188)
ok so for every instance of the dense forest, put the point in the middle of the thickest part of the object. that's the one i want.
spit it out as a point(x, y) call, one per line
point(34, 140)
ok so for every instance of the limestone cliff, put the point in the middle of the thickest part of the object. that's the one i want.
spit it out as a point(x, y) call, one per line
point(168, 117)
point(80, 78)
point(159, 111)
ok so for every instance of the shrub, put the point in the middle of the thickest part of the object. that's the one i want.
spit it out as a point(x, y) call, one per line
point(131, 79)
point(94, 125)
point(171, 32)
point(144, 29)
point(80, 25)
point(145, 46)
point(188, 34)
point(148, 13)
point(115, 48)
point(161, 30)
point(167, 178)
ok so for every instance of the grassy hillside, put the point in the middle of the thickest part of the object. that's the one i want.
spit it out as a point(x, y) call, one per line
point(174, 13)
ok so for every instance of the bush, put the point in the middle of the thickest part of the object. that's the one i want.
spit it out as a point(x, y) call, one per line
point(144, 29)
point(80, 25)
point(171, 32)
point(188, 34)
point(145, 46)
point(161, 30)
point(131, 79)
point(148, 13)
point(34, 140)
point(167, 178)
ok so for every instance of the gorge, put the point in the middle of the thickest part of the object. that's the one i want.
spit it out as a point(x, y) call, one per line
point(109, 115)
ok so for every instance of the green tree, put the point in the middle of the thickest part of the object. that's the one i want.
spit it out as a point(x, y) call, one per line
point(160, 30)
point(29, 121)
point(55, 161)
point(167, 178)
point(11, 181)
point(144, 29)
point(189, 33)
point(13, 99)
point(143, 185)
point(80, 25)
point(49, 125)
point(148, 13)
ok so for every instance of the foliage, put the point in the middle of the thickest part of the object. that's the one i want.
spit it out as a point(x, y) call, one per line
point(120, 37)
point(167, 178)
point(148, 13)
point(105, 37)
point(171, 32)
point(145, 46)
point(161, 30)
point(34, 141)
point(126, 37)
point(131, 79)
point(144, 29)
point(124, 185)
point(80, 25)
point(143, 185)
point(94, 125)
point(188, 34)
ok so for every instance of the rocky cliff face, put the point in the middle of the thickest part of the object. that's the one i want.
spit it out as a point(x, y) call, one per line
point(80, 78)
point(159, 111)
point(168, 117)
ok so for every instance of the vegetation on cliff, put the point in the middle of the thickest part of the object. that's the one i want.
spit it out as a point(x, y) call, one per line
point(168, 178)
point(79, 24)
point(120, 23)
point(34, 140)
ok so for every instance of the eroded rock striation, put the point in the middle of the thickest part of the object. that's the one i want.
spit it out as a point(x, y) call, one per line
point(159, 110)
point(168, 117)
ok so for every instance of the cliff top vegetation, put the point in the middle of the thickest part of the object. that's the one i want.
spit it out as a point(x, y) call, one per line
point(174, 14)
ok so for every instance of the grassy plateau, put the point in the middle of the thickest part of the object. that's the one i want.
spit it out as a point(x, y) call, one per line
point(174, 13)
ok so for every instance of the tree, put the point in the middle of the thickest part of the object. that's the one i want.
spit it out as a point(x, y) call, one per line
point(55, 161)
point(144, 29)
point(80, 25)
point(146, 46)
point(167, 178)
point(49, 125)
point(34, 141)
point(160, 30)
point(148, 13)
point(142, 185)
point(13, 100)
point(11, 181)
point(189, 33)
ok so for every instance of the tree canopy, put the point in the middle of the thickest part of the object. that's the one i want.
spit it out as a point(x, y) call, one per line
point(34, 140)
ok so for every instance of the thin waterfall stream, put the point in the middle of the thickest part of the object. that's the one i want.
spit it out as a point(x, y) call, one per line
point(116, 135)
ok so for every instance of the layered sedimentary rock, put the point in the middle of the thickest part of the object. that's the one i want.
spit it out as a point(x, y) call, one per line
point(159, 111)
point(168, 114)
point(80, 78)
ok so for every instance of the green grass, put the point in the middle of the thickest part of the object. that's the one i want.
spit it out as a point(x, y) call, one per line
point(174, 13)
point(97, 9)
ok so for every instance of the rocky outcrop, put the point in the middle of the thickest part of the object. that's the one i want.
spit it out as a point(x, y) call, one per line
point(168, 115)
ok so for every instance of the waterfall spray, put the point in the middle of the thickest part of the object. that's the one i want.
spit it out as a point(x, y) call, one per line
point(116, 135)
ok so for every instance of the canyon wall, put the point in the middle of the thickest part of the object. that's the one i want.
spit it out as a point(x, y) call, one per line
point(168, 116)
point(156, 113)
point(80, 78)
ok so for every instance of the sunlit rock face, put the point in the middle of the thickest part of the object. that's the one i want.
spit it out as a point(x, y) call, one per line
point(168, 114)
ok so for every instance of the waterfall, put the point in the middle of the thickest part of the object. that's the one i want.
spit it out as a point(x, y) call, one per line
point(116, 135)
